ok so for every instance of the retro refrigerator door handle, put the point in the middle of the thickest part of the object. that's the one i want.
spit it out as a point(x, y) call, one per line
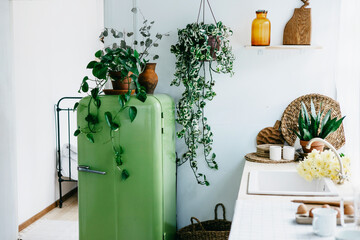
point(87, 169)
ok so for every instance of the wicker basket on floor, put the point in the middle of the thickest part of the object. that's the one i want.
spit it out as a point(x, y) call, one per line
point(217, 229)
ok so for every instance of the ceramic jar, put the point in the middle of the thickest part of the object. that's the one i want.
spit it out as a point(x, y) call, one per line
point(148, 78)
point(261, 29)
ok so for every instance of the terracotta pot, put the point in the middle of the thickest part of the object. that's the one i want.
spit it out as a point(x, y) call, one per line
point(214, 43)
point(148, 78)
point(315, 145)
point(118, 82)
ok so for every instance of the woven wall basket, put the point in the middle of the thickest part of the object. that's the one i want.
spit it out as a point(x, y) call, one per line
point(217, 229)
point(291, 115)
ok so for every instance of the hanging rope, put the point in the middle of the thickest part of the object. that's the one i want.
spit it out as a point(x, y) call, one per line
point(202, 6)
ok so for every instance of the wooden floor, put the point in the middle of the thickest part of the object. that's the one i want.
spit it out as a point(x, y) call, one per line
point(59, 223)
point(68, 212)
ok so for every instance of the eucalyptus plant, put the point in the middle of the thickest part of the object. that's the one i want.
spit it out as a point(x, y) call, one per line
point(315, 124)
point(120, 56)
point(195, 60)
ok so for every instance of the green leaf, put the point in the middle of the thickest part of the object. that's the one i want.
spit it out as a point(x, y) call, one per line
point(125, 174)
point(207, 183)
point(134, 10)
point(325, 119)
point(77, 132)
point(85, 79)
point(141, 96)
point(130, 34)
point(127, 96)
point(118, 159)
point(158, 36)
point(121, 100)
point(75, 106)
point(92, 64)
point(85, 87)
point(99, 53)
point(305, 114)
point(114, 126)
point(132, 113)
point(313, 111)
point(156, 57)
point(136, 54)
point(108, 118)
point(90, 137)
point(155, 44)
point(297, 134)
point(307, 135)
point(94, 93)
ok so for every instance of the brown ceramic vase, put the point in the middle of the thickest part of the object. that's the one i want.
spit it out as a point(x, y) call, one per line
point(148, 78)
point(315, 145)
point(118, 82)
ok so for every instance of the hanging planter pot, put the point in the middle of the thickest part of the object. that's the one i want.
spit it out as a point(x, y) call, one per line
point(214, 42)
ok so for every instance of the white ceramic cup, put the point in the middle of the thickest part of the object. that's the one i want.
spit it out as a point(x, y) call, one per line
point(288, 153)
point(275, 153)
point(324, 222)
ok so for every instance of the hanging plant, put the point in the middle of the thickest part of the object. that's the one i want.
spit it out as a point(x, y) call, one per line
point(202, 49)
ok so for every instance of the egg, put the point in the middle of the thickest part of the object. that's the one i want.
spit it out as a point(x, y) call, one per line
point(311, 213)
point(302, 209)
point(326, 206)
point(348, 209)
point(338, 212)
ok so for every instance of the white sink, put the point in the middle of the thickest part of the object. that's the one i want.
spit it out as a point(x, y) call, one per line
point(288, 183)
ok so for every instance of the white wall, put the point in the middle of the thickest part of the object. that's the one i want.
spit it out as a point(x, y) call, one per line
point(8, 186)
point(53, 40)
point(264, 84)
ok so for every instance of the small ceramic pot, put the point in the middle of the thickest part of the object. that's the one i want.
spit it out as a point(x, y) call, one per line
point(315, 145)
point(118, 82)
point(148, 78)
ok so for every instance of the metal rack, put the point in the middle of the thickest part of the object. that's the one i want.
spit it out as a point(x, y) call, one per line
point(58, 111)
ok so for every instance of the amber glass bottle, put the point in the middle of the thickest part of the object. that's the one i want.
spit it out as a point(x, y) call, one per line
point(261, 29)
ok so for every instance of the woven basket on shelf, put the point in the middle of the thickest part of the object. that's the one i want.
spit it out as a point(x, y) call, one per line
point(217, 229)
point(291, 114)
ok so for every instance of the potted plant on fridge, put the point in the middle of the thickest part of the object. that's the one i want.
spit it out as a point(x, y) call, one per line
point(121, 63)
point(315, 125)
point(202, 50)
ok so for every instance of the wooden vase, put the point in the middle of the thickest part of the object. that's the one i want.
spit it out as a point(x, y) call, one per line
point(148, 78)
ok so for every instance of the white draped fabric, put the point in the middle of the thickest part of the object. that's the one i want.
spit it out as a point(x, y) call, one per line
point(348, 79)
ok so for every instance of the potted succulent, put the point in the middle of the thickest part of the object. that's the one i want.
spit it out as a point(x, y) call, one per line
point(202, 50)
point(315, 125)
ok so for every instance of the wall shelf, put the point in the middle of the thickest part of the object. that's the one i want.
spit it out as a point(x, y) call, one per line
point(283, 47)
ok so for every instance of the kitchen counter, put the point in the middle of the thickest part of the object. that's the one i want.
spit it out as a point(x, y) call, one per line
point(272, 217)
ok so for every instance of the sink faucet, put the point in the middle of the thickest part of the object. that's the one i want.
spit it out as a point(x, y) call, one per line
point(342, 176)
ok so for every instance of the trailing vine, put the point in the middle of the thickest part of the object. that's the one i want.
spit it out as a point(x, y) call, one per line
point(196, 58)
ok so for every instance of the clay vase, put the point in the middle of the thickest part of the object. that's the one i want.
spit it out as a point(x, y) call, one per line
point(148, 78)
point(118, 82)
point(315, 145)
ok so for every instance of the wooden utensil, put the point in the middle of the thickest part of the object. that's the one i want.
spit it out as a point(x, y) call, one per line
point(298, 29)
point(335, 204)
point(270, 135)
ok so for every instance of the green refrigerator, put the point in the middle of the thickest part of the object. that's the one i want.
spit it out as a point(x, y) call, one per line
point(142, 207)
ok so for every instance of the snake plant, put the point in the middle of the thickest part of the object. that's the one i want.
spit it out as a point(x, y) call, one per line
point(314, 125)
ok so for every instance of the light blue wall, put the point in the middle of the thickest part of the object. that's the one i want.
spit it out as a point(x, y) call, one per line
point(8, 196)
point(263, 85)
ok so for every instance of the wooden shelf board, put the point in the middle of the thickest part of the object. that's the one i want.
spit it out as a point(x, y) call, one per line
point(283, 47)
